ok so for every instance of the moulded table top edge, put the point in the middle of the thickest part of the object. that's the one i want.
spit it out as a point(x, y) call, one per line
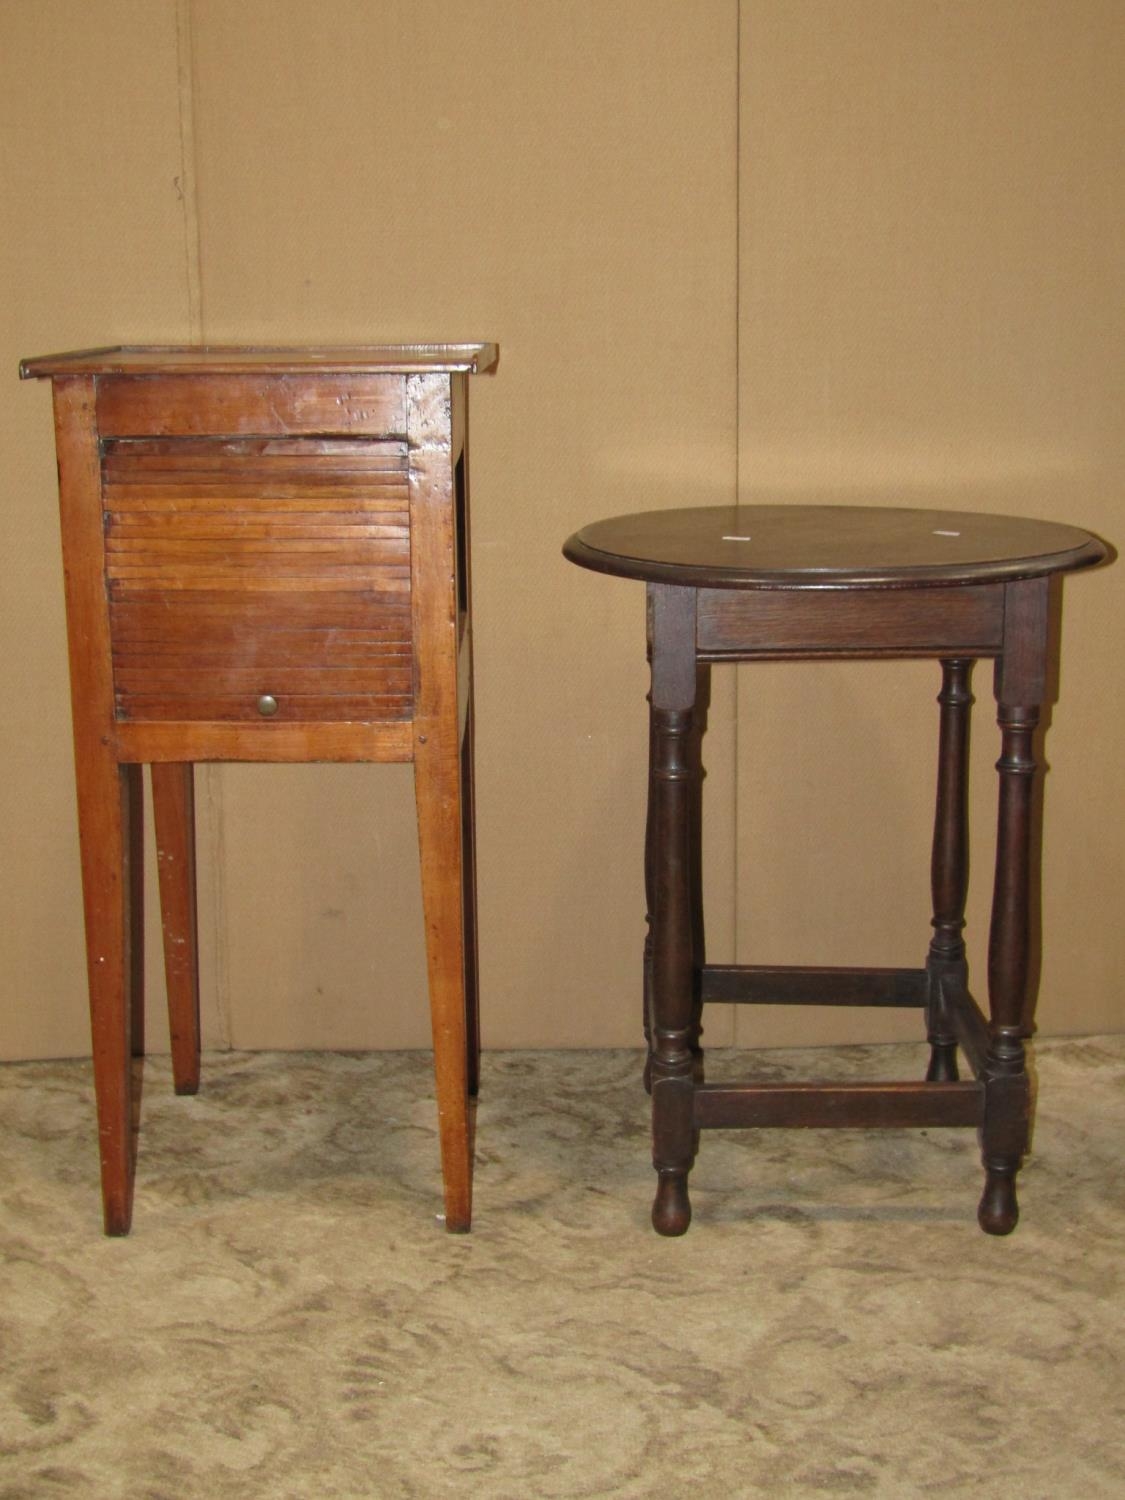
point(218, 359)
point(675, 550)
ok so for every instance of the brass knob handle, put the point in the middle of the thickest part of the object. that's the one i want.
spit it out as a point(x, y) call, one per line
point(267, 705)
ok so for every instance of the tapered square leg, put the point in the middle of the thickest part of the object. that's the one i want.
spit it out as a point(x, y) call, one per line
point(135, 814)
point(107, 813)
point(173, 804)
point(469, 902)
point(446, 878)
point(442, 752)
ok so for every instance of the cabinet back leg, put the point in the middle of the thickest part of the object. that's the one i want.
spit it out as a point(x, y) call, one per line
point(173, 805)
point(134, 792)
point(469, 902)
point(437, 785)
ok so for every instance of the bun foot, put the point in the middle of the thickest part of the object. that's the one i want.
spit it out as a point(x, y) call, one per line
point(671, 1209)
point(999, 1212)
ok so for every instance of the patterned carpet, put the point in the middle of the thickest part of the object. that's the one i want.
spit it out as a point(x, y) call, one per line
point(287, 1318)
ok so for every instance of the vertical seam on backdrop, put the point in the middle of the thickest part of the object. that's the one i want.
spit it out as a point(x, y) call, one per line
point(738, 670)
point(212, 799)
point(738, 253)
point(186, 185)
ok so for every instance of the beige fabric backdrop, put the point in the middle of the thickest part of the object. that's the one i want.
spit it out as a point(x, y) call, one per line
point(866, 249)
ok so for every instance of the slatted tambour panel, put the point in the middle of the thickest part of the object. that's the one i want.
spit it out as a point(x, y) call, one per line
point(243, 569)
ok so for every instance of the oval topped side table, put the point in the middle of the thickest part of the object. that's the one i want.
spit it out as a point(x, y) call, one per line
point(795, 582)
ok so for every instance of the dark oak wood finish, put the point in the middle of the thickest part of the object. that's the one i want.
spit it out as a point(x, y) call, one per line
point(803, 547)
point(949, 868)
point(806, 582)
point(845, 1105)
point(760, 984)
point(266, 559)
point(674, 785)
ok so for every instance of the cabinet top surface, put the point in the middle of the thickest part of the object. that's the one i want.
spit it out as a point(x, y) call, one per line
point(828, 546)
point(214, 359)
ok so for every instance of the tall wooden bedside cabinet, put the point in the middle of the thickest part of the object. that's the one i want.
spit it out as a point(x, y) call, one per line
point(266, 558)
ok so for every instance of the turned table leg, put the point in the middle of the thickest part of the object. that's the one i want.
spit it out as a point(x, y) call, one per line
point(695, 835)
point(695, 853)
point(1007, 1093)
point(650, 898)
point(949, 867)
point(674, 785)
point(1020, 689)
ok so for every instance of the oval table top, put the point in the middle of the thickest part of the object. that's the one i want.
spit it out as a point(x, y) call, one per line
point(828, 546)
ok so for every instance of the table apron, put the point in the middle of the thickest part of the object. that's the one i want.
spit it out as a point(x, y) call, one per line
point(745, 623)
point(288, 743)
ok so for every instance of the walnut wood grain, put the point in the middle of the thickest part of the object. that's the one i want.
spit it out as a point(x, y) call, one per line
point(214, 708)
point(266, 558)
point(248, 553)
point(438, 782)
point(173, 804)
point(265, 741)
point(181, 405)
point(225, 616)
point(235, 359)
point(466, 727)
point(104, 802)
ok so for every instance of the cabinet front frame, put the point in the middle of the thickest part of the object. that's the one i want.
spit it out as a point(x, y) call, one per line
point(425, 412)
